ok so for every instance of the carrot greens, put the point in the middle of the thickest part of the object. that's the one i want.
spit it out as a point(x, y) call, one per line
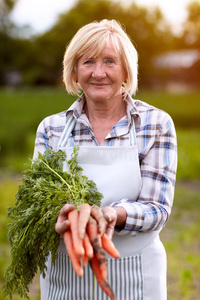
point(44, 190)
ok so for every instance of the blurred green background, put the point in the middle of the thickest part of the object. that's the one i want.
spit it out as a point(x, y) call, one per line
point(31, 89)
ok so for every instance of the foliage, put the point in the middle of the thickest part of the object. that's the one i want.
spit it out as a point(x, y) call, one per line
point(45, 189)
point(191, 26)
point(8, 188)
point(6, 6)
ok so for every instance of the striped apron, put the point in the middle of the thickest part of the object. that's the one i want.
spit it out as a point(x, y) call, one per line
point(140, 272)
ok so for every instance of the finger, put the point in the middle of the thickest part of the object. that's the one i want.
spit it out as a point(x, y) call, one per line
point(62, 224)
point(61, 227)
point(64, 211)
point(110, 230)
point(110, 215)
point(98, 215)
point(84, 215)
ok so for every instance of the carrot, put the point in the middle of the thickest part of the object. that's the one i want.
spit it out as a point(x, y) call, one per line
point(97, 246)
point(97, 214)
point(88, 250)
point(85, 260)
point(101, 281)
point(72, 255)
point(87, 246)
point(109, 246)
point(77, 241)
point(84, 215)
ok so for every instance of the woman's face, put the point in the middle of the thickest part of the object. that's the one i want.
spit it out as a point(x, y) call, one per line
point(101, 77)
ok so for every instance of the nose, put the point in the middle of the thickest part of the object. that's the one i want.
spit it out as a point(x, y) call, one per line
point(98, 71)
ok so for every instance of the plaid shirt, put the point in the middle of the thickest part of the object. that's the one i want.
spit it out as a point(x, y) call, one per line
point(157, 151)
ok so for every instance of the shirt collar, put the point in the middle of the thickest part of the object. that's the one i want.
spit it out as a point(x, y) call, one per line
point(77, 109)
point(132, 110)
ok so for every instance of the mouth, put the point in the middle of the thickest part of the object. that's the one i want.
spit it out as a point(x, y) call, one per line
point(98, 84)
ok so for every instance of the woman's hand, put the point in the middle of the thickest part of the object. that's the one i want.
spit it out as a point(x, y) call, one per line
point(115, 216)
point(62, 224)
point(110, 214)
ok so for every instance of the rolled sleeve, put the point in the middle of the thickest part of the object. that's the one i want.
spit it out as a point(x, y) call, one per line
point(158, 165)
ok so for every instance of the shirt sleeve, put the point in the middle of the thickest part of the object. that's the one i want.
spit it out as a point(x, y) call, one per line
point(49, 132)
point(42, 140)
point(158, 163)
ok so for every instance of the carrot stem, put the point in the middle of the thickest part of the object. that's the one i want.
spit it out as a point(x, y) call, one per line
point(93, 286)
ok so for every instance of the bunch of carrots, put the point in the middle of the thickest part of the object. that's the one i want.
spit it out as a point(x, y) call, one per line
point(86, 241)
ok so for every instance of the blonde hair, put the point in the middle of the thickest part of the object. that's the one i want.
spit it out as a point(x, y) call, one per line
point(98, 34)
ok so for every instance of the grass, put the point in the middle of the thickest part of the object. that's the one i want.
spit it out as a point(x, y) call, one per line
point(21, 112)
point(181, 240)
point(8, 188)
point(183, 108)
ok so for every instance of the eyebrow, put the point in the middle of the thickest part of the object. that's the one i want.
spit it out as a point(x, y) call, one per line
point(85, 56)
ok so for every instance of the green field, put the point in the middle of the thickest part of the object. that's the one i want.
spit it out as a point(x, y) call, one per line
point(20, 113)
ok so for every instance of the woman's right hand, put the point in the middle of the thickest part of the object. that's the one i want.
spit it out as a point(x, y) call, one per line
point(62, 224)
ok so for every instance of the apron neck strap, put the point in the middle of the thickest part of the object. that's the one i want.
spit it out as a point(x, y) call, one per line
point(67, 131)
point(70, 126)
point(132, 133)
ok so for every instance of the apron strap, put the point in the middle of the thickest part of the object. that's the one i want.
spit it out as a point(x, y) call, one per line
point(70, 126)
point(67, 131)
point(132, 133)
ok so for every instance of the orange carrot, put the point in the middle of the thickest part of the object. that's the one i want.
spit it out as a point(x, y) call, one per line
point(77, 241)
point(101, 281)
point(109, 246)
point(72, 255)
point(88, 250)
point(97, 246)
point(87, 246)
point(97, 214)
point(85, 260)
point(84, 215)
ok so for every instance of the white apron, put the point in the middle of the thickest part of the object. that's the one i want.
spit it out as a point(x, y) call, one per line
point(140, 272)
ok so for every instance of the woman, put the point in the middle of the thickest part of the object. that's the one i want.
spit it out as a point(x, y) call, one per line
point(129, 149)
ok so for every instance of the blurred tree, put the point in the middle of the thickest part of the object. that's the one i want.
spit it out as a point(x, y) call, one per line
point(146, 27)
point(6, 6)
point(39, 59)
point(8, 43)
point(191, 34)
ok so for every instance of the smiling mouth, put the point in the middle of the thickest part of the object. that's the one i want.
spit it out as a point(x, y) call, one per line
point(99, 84)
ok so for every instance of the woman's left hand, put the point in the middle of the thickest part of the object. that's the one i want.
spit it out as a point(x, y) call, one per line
point(115, 216)
point(110, 214)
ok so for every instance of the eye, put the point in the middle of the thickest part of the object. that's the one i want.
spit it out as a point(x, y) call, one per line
point(109, 61)
point(88, 62)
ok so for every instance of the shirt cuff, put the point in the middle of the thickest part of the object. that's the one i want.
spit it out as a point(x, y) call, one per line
point(133, 224)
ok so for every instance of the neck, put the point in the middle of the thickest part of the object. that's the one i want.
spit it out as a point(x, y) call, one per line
point(105, 111)
point(103, 117)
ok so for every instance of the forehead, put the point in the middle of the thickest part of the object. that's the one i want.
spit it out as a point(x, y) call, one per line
point(104, 45)
point(109, 50)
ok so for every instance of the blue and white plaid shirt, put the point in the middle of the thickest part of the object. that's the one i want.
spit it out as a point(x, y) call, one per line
point(157, 149)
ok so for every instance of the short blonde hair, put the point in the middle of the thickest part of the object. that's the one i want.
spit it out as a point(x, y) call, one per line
point(98, 34)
